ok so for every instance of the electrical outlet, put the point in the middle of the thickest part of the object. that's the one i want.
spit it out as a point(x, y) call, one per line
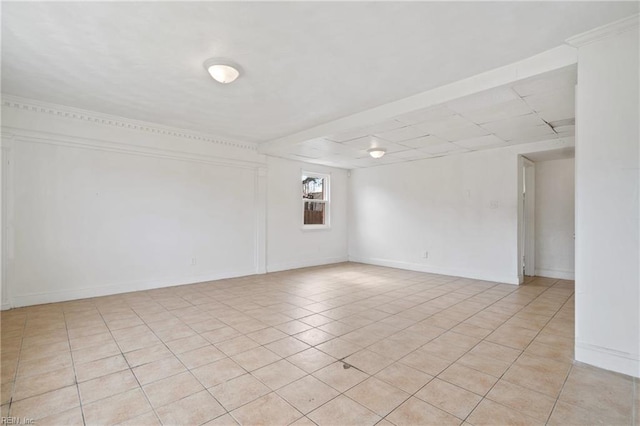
point(193, 261)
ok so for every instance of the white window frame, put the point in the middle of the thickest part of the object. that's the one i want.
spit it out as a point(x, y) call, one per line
point(326, 201)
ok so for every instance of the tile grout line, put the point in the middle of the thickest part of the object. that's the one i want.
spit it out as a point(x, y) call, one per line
point(525, 348)
point(128, 364)
point(15, 374)
point(564, 382)
point(73, 364)
point(265, 303)
point(461, 356)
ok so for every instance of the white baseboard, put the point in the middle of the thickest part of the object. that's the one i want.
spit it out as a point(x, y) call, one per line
point(89, 292)
point(5, 306)
point(609, 359)
point(478, 275)
point(556, 273)
point(305, 263)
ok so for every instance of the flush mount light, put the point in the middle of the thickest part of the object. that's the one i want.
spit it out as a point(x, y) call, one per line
point(376, 152)
point(222, 70)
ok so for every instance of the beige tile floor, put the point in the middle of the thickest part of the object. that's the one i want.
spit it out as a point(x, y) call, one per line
point(337, 345)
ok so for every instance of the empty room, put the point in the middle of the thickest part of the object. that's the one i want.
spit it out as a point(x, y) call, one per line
point(320, 213)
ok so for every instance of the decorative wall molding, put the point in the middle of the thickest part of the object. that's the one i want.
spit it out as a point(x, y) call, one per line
point(18, 135)
point(30, 105)
point(608, 30)
point(7, 231)
point(260, 200)
point(476, 275)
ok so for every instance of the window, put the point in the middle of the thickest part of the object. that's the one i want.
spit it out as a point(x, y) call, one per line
point(315, 200)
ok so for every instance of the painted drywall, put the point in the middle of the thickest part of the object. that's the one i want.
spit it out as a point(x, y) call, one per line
point(555, 218)
point(607, 203)
point(288, 244)
point(462, 210)
point(106, 207)
point(4, 296)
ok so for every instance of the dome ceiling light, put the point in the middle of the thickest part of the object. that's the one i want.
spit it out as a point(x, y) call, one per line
point(221, 70)
point(376, 152)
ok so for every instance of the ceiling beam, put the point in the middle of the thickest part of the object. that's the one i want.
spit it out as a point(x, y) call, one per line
point(550, 60)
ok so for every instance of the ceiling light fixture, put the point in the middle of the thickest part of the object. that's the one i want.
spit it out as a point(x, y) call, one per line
point(222, 70)
point(376, 152)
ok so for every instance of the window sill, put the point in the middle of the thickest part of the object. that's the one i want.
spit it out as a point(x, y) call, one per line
point(316, 227)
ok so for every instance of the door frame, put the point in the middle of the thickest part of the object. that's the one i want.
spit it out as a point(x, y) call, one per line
point(526, 218)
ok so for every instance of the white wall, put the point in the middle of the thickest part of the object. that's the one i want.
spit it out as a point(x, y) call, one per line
point(555, 218)
point(462, 209)
point(100, 205)
point(607, 202)
point(4, 296)
point(288, 245)
point(108, 207)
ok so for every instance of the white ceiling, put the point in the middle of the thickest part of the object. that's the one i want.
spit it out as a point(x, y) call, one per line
point(535, 109)
point(304, 63)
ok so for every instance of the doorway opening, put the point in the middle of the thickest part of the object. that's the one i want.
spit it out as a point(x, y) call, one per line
point(526, 218)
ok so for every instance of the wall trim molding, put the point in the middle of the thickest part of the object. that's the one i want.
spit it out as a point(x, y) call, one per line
point(5, 306)
point(609, 359)
point(463, 273)
point(608, 30)
point(560, 274)
point(18, 135)
point(121, 288)
point(305, 263)
point(72, 113)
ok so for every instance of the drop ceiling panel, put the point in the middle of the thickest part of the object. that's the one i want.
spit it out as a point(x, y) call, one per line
point(448, 123)
point(491, 119)
point(557, 113)
point(363, 143)
point(428, 114)
point(308, 151)
point(483, 100)
point(394, 147)
point(565, 129)
point(452, 128)
point(445, 148)
point(329, 147)
point(423, 142)
point(499, 111)
point(558, 80)
point(488, 141)
point(363, 162)
point(515, 123)
point(347, 136)
point(460, 133)
point(526, 133)
point(392, 159)
point(558, 99)
point(384, 127)
point(410, 154)
point(402, 134)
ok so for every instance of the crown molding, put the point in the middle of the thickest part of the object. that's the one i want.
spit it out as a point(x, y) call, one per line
point(11, 136)
point(604, 31)
point(72, 113)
